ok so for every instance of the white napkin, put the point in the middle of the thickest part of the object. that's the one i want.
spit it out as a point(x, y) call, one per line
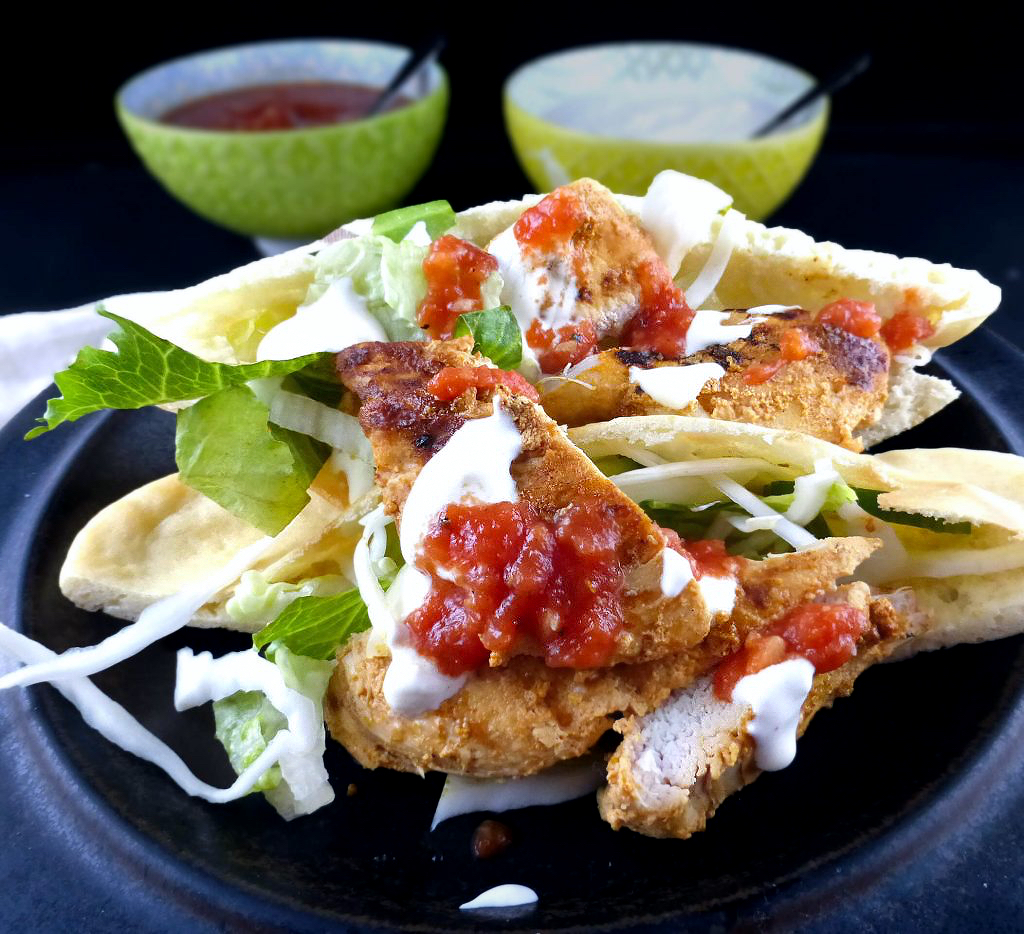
point(36, 344)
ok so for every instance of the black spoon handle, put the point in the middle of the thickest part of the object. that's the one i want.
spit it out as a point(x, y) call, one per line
point(838, 79)
point(423, 57)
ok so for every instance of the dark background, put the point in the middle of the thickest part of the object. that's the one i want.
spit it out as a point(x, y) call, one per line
point(923, 155)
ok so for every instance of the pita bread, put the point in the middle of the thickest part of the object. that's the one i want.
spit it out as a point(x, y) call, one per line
point(985, 488)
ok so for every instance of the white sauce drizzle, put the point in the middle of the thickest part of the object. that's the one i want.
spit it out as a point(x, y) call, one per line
point(678, 211)
point(337, 319)
point(706, 329)
point(502, 896)
point(676, 573)
point(546, 289)
point(776, 694)
point(563, 782)
point(675, 386)
point(155, 622)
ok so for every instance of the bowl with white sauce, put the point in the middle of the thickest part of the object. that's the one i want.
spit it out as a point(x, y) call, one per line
point(622, 112)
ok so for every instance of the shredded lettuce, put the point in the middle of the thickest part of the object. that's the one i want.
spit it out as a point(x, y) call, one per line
point(227, 450)
point(437, 216)
point(387, 274)
point(316, 626)
point(256, 601)
point(496, 335)
point(838, 494)
point(246, 722)
point(146, 370)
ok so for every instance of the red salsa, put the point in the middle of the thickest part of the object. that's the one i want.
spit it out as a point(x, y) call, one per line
point(557, 349)
point(706, 556)
point(453, 381)
point(904, 329)
point(549, 223)
point(502, 574)
point(455, 270)
point(795, 344)
point(663, 318)
point(858, 318)
point(286, 106)
point(826, 634)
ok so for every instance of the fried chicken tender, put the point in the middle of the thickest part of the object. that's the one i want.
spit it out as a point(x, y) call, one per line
point(525, 717)
point(677, 764)
point(601, 259)
point(830, 394)
point(406, 425)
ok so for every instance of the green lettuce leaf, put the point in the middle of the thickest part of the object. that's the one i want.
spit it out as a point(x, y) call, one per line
point(246, 722)
point(316, 626)
point(226, 449)
point(438, 217)
point(496, 335)
point(146, 370)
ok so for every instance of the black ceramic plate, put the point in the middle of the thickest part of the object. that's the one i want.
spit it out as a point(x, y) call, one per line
point(902, 808)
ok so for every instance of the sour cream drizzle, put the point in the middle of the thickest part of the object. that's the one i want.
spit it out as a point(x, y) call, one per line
point(675, 386)
point(502, 896)
point(707, 329)
point(337, 319)
point(776, 695)
point(544, 289)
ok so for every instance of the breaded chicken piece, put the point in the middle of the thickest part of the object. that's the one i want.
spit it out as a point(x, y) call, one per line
point(525, 717)
point(593, 275)
point(407, 425)
point(677, 764)
point(831, 394)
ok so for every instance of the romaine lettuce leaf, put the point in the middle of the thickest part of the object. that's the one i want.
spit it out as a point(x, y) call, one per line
point(226, 449)
point(316, 626)
point(838, 494)
point(437, 216)
point(146, 370)
point(496, 335)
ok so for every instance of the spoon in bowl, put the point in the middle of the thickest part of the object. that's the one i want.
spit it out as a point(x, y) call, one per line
point(420, 59)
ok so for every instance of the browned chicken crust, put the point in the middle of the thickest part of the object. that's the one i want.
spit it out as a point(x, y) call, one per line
point(406, 425)
point(713, 740)
point(831, 395)
point(526, 717)
point(603, 255)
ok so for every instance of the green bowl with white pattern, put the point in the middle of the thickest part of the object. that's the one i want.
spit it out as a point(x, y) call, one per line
point(298, 183)
point(623, 112)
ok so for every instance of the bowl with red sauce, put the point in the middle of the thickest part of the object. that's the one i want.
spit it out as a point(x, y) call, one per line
point(273, 139)
point(623, 112)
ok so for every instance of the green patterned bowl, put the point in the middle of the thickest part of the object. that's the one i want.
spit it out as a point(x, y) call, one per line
point(288, 183)
point(621, 113)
